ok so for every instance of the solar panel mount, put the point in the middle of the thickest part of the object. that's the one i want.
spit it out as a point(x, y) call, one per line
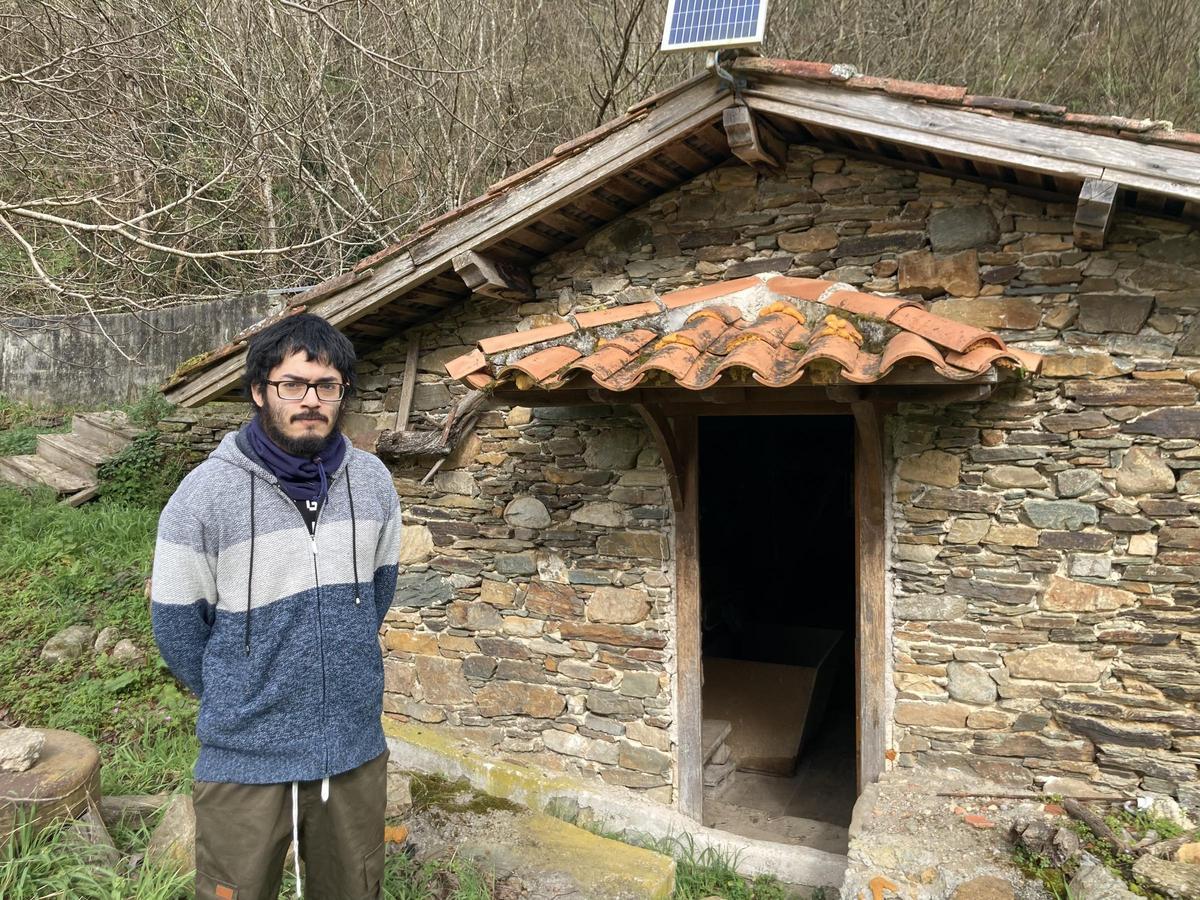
point(713, 24)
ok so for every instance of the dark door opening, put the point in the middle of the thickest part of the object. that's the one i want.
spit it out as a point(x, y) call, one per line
point(778, 626)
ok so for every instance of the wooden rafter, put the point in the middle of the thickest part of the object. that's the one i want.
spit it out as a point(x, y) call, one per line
point(492, 277)
point(752, 139)
point(1093, 214)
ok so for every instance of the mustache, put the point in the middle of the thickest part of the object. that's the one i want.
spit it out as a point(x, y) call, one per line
point(309, 417)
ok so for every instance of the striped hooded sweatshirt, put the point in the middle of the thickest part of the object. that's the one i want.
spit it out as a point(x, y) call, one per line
point(274, 630)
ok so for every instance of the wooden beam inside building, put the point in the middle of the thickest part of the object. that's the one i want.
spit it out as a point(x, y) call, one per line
point(492, 277)
point(752, 139)
point(1093, 214)
point(689, 668)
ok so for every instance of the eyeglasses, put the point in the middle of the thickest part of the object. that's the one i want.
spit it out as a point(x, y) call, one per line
point(327, 391)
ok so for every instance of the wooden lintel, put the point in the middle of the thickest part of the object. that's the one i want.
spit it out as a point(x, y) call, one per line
point(1093, 214)
point(664, 439)
point(492, 277)
point(752, 139)
point(689, 668)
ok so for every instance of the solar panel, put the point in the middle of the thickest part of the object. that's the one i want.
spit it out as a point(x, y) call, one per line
point(714, 23)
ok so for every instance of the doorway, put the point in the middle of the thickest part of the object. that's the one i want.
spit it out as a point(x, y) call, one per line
point(778, 626)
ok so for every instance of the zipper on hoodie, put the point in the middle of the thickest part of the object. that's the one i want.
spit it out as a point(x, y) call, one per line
point(320, 623)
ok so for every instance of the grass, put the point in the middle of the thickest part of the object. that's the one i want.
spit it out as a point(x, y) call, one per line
point(712, 872)
point(20, 424)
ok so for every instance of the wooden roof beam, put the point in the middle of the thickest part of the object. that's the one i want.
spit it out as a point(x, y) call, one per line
point(1093, 214)
point(752, 139)
point(493, 278)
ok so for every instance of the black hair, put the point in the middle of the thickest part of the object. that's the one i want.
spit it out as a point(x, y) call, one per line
point(303, 331)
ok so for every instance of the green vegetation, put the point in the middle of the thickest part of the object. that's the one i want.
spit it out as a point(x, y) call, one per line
point(711, 872)
point(142, 475)
point(20, 424)
point(435, 793)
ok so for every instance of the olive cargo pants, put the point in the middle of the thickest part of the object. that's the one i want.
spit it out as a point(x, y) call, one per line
point(243, 832)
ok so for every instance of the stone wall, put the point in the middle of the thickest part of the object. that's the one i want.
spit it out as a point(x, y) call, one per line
point(1046, 550)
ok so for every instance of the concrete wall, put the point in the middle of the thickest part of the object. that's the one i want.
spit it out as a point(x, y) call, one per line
point(72, 362)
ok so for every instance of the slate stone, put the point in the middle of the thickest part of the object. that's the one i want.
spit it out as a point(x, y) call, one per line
point(978, 589)
point(1060, 514)
point(422, 589)
point(958, 275)
point(962, 228)
point(614, 448)
point(538, 701)
point(480, 667)
point(1131, 393)
point(623, 237)
point(957, 501)
point(758, 266)
point(1175, 250)
point(929, 607)
point(1123, 313)
point(875, 244)
point(1076, 482)
point(1089, 420)
point(516, 564)
point(610, 703)
point(1170, 422)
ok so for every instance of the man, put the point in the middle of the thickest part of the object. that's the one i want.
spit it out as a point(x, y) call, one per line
point(275, 564)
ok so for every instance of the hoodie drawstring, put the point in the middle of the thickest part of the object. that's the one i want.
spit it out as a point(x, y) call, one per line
point(353, 541)
point(296, 836)
point(250, 572)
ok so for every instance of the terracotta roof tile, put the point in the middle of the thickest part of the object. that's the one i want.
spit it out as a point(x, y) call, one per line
point(676, 299)
point(749, 327)
point(615, 314)
point(502, 342)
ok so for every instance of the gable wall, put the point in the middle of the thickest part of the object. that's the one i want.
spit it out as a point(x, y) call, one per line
point(1043, 573)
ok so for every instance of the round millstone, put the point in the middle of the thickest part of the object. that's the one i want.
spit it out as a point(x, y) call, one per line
point(59, 785)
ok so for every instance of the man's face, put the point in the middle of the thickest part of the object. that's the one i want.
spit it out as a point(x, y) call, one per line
point(298, 427)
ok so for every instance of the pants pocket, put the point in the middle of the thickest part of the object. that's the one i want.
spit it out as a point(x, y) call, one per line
point(373, 872)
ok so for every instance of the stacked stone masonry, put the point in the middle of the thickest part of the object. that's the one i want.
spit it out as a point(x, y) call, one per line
point(1045, 546)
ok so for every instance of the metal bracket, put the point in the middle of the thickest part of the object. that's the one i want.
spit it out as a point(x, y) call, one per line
point(735, 83)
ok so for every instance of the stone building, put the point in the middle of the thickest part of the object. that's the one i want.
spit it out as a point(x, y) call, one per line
point(860, 411)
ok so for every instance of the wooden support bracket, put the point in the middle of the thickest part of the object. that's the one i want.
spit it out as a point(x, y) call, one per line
point(752, 139)
point(668, 448)
point(1093, 215)
point(493, 278)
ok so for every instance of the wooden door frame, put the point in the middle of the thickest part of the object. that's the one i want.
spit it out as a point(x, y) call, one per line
point(871, 643)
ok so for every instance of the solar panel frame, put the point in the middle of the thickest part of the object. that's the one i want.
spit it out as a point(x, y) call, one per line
point(698, 24)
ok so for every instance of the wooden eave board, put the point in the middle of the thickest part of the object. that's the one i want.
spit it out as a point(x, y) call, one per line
point(700, 105)
point(992, 139)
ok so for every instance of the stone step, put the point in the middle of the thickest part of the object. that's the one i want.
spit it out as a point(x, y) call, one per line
point(109, 430)
point(712, 735)
point(72, 452)
point(32, 470)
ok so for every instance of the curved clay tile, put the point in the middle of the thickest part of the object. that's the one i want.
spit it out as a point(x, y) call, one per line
point(543, 364)
point(833, 347)
point(699, 331)
point(870, 305)
point(907, 345)
point(800, 288)
point(785, 367)
point(613, 355)
point(979, 359)
point(723, 311)
point(942, 331)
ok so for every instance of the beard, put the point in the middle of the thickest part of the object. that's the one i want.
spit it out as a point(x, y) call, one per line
point(275, 416)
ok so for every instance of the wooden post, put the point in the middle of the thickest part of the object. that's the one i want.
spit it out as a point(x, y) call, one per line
point(689, 671)
point(872, 646)
point(493, 278)
point(409, 386)
point(752, 140)
point(1093, 215)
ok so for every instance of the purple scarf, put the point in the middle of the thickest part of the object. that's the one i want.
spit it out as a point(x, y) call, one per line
point(300, 478)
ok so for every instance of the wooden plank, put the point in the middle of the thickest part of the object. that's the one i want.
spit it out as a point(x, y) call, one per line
point(752, 140)
point(689, 672)
point(685, 157)
point(594, 206)
point(682, 114)
point(1093, 213)
point(409, 385)
point(1059, 151)
point(871, 647)
point(492, 278)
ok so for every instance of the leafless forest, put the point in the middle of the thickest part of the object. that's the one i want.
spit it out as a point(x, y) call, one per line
point(157, 151)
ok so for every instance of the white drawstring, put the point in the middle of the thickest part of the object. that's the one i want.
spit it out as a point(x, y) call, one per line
point(296, 835)
point(325, 789)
